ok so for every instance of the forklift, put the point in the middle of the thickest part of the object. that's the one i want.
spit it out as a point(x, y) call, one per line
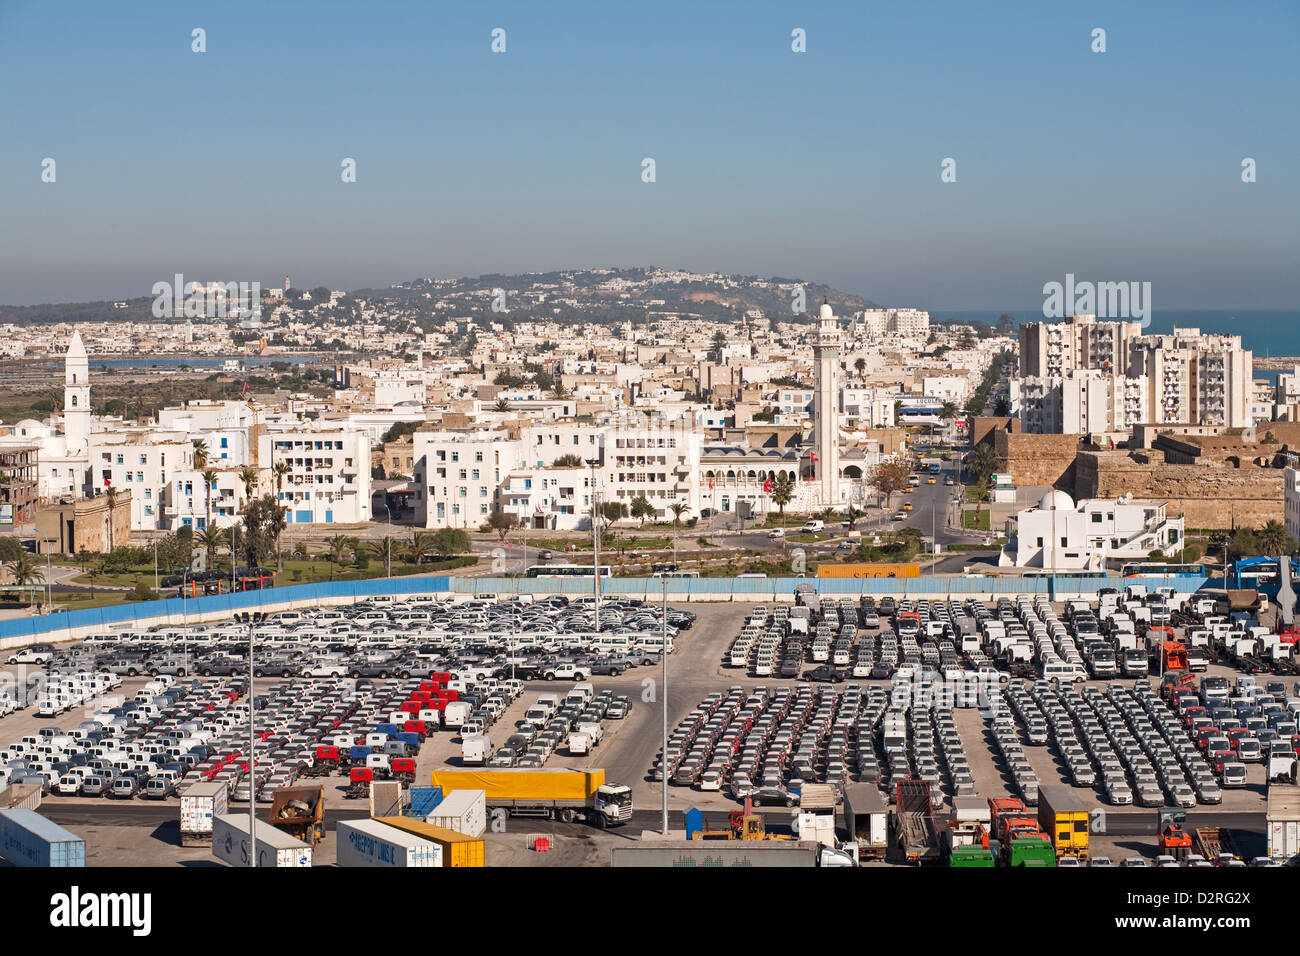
point(1175, 841)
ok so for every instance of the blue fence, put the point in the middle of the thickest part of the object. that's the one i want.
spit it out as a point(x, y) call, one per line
point(140, 615)
point(143, 613)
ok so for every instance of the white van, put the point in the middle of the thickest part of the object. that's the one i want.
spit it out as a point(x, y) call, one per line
point(1065, 672)
point(813, 526)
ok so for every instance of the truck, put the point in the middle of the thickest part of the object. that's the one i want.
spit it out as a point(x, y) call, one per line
point(299, 812)
point(866, 820)
point(971, 855)
point(1215, 844)
point(201, 803)
point(917, 833)
point(458, 849)
point(1283, 821)
point(376, 844)
point(564, 795)
point(464, 811)
point(475, 749)
point(1063, 817)
point(29, 839)
point(275, 848)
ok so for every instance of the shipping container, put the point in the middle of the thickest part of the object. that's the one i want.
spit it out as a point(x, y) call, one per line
point(866, 820)
point(457, 848)
point(464, 811)
point(201, 803)
point(275, 848)
point(1283, 818)
point(372, 843)
point(695, 853)
point(868, 570)
point(28, 839)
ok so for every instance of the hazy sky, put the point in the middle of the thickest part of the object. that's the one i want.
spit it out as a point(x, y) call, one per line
point(825, 165)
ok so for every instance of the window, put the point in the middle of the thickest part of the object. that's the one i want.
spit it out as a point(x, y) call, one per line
point(476, 474)
point(1096, 517)
point(1065, 542)
point(482, 491)
point(462, 474)
point(455, 456)
point(1040, 542)
point(478, 456)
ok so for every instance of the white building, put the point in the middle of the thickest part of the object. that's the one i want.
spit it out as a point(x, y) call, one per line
point(328, 476)
point(1291, 500)
point(142, 460)
point(1060, 535)
point(459, 474)
point(826, 432)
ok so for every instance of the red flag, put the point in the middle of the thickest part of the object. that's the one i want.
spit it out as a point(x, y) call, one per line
point(813, 455)
point(710, 484)
point(767, 487)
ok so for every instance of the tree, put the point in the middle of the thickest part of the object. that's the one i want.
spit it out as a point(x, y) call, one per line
point(860, 366)
point(782, 492)
point(200, 453)
point(279, 470)
point(210, 539)
point(569, 461)
point(502, 405)
point(1272, 539)
point(209, 479)
point(1001, 406)
point(111, 494)
point(338, 548)
point(449, 542)
point(264, 522)
point(642, 508)
point(948, 411)
point(385, 549)
point(887, 478)
point(1005, 325)
point(501, 523)
point(983, 461)
point(611, 511)
point(24, 570)
point(719, 343)
point(249, 477)
point(560, 391)
point(678, 508)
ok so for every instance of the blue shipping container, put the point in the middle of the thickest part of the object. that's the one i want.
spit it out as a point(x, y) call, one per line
point(28, 839)
point(424, 800)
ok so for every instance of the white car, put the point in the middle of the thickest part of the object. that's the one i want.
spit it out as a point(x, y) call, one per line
point(776, 533)
point(712, 781)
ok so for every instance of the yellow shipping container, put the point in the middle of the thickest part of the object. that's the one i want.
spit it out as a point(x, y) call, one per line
point(1064, 817)
point(457, 848)
point(508, 785)
point(868, 570)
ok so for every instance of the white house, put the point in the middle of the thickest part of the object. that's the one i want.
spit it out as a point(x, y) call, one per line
point(328, 477)
point(1060, 535)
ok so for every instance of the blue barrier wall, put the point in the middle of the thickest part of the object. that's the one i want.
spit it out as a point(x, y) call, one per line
point(143, 614)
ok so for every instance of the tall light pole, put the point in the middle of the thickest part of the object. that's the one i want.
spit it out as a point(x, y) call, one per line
point(595, 542)
point(252, 760)
point(663, 657)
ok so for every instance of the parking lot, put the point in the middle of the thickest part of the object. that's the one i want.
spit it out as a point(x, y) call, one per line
point(847, 694)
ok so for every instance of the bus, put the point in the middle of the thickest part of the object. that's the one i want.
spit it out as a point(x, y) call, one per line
point(567, 571)
point(675, 575)
point(1160, 570)
point(1066, 573)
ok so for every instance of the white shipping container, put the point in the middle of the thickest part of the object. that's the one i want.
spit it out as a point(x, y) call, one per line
point(1283, 839)
point(275, 848)
point(371, 843)
point(462, 811)
point(200, 803)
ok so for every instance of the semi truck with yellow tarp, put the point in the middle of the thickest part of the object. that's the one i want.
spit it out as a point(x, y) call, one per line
point(564, 795)
point(868, 570)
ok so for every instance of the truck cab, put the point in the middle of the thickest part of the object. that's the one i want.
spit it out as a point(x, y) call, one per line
point(613, 804)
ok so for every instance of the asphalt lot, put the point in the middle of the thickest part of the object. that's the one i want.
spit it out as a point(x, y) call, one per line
point(143, 832)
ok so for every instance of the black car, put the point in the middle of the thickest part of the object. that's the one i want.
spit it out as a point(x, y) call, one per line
point(773, 797)
point(827, 672)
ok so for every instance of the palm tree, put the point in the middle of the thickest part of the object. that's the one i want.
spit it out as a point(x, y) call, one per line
point(279, 470)
point(200, 453)
point(782, 492)
point(502, 405)
point(983, 461)
point(249, 477)
point(1272, 539)
point(24, 570)
point(421, 546)
point(209, 479)
point(210, 539)
point(338, 548)
point(948, 411)
point(860, 366)
point(385, 549)
point(678, 508)
point(111, 494)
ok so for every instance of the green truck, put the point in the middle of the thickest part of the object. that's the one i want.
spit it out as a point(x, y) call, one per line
point(971, 856)
point(1030, 851)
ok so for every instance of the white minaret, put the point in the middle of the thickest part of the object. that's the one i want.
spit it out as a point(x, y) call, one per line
point(76, 397)
point(826, 441)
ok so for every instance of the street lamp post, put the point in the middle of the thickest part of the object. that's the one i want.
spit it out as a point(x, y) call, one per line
point(663, 658)
point(252, 761)
point(595, 543)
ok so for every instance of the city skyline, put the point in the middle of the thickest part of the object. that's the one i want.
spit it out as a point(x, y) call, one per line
point(1115, 166)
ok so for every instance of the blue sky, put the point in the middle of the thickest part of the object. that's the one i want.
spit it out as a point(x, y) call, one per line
point(824, 165)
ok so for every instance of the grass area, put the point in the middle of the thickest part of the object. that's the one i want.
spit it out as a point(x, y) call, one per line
point(562, 545)
point(296, 571)
point(975, 520)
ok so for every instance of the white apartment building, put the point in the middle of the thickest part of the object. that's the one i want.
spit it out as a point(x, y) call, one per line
point(793, 405)
point(143, 460)
point(1081, 402)
point(873, 324)
point(1195, 379)
point(1060, 535)
point(459, 474)
point(328, 477)
point(870, 407)
point(1291, 500)
point(1051, 349)
point(189, 505)
point(553, 498)
point(946, 388)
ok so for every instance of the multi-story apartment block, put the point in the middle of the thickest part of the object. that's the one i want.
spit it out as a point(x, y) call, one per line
point(327, 480)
